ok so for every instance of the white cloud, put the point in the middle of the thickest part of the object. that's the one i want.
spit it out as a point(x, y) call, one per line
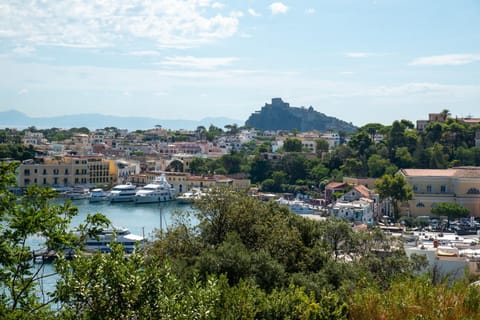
point(22, 92)
point(446, 59)
point(197, 63)
point(310, 11)
point(23, 51)
point(278, 7)
point(346, 73)
point(253, 13)
point(218, 5)
point(424, 89)
point(94, 24)
point(358, 54)
point(144, 53)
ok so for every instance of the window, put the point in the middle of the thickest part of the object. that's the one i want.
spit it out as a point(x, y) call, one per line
point(429, 188)
point(415, 188)
point(473, 191)
point(55, 171)
point(26, 172)
point(27, 181)
point(443, 189)
point(44, 171)
point(35, 171)
point(66, 171)
point(420, 205)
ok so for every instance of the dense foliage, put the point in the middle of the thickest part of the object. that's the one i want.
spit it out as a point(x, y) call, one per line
point(246, 259)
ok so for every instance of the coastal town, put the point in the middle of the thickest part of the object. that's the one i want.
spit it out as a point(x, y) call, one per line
point(258, 160)
point(159, 164)
point(104, 158)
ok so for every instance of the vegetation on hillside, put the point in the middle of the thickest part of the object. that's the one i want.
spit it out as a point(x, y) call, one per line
point(246, 259)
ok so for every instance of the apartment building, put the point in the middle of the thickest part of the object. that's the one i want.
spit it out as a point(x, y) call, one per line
point(432, 186)
point(66, 171)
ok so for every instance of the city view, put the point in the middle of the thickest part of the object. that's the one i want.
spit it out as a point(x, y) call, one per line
point(239, 160)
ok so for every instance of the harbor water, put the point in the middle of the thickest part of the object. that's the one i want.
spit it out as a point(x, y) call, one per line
point(141, 219)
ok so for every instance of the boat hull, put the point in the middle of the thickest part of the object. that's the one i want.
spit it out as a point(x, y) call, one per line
point(122, 199)
point(152, 199)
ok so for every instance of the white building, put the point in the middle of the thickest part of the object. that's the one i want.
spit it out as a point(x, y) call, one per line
point(355, 211)
point(332, 138)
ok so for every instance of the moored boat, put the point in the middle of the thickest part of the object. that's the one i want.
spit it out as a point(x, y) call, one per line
point(77, 193)
point(123, 193)
point(101, 242)
point(190, 196)
point(97, 195)
point(158, 190)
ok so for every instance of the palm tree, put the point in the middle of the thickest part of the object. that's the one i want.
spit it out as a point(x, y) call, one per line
point(445, 114)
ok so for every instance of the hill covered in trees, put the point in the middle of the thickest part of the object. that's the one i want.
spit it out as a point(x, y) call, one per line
point(280, 116)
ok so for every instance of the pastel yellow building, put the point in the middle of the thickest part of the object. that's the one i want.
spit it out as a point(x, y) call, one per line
point(460, 185)
point(65, 171)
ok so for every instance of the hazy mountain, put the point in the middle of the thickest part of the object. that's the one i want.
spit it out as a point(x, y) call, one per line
point(280, 116)
point(16, 119)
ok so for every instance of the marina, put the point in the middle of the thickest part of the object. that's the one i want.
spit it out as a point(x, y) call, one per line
point(142, 219)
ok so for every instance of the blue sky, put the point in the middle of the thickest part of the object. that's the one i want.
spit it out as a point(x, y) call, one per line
point(359, 60)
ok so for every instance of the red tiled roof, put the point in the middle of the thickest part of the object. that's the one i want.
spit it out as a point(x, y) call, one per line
point(364, 191)
point(332, 185)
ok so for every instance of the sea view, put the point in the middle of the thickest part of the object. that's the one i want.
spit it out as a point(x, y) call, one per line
point(140, 219)
point(144, 220)
point(240, 159)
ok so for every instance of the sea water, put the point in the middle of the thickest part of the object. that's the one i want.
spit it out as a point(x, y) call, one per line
point(141, 219)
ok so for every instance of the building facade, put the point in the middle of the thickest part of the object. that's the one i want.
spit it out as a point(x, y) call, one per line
point(65, 172)
point(459, 185)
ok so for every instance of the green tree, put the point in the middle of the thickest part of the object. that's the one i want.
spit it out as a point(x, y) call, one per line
point(197, 166)
point(232, 129)
point(378, 166)
point(395, 189)
point(353, 167)
point(231, 162)
point(294, 165)
point(321, 146)
point(292, 145)
point(451, 210)
point(22, 219)
point(260, 169)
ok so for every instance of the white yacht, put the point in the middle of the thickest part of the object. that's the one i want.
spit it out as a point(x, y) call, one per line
point(158, 190)
point(123, 193)
point(97, 195)
point(77, 193)
point(190, 196)
point(115, 234)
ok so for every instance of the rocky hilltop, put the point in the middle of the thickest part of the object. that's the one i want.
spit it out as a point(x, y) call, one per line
point(280, 116)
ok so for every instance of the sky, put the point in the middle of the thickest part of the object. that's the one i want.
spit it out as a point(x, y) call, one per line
point(361, 61)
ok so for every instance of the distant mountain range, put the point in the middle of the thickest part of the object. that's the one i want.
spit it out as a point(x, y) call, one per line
point(280, 116)
point(16, 119)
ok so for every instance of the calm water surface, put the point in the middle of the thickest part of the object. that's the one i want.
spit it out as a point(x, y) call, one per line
point(140, 219)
